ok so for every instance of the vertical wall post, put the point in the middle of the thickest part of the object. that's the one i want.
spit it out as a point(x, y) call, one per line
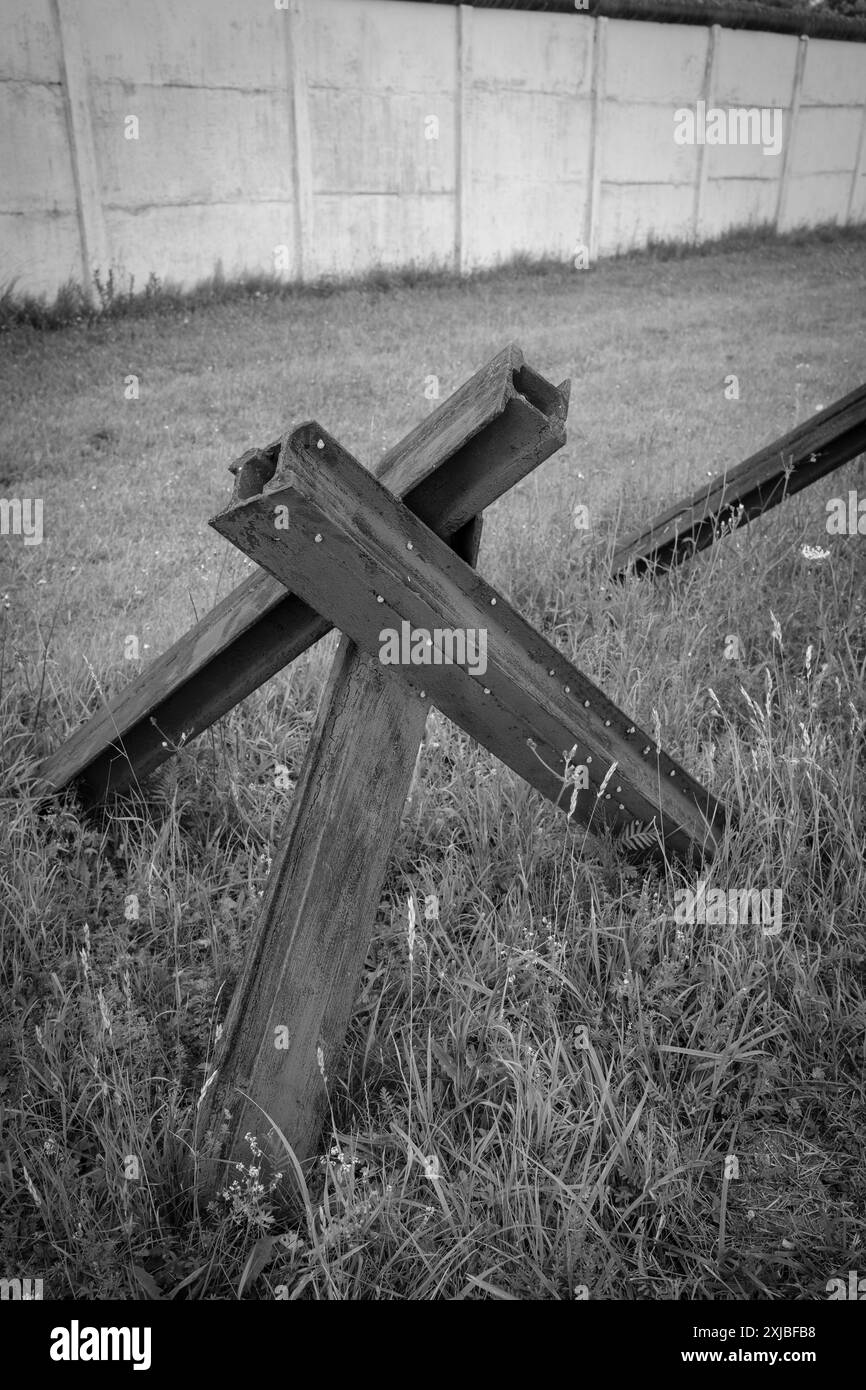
point(709, 97)
point(463, 131)
point(788, 156)
point(857, 172)
point(302, 173)
point(85, 171)
point(599, 59)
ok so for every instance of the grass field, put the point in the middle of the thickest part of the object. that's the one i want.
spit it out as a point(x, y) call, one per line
point(565, 1170)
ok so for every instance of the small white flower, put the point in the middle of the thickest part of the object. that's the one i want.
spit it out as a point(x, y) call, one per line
point(431, 1168)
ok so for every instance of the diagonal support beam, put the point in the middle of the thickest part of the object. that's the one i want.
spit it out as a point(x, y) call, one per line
point(825, 442)
point(361, 558)
point(302, 968)
point(484, 438)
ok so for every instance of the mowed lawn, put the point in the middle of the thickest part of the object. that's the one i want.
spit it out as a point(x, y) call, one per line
point(566, 1170)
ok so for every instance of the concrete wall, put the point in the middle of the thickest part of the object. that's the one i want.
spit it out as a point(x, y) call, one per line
point(332, 136)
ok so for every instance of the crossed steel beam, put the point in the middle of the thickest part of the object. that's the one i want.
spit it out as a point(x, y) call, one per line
point(358, 556)
point(489, 434)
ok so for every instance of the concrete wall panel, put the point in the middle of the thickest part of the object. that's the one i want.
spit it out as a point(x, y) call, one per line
point(35, 169)
point(755, 69)
point(185, 243)
point(380, 45)
point(195, 145)
point(353, 235)
point(835, 74)
point(738, 203)
point(817, 198)
point(655, 62)
point(41, 252)
point(372, 142)
point(199, 43)
point(528, 137)
point(638, 146)
point(518, 50)
point(749, 161)
point(30, 47)
point(530, 219)
point(633, 215)
point(827, 139)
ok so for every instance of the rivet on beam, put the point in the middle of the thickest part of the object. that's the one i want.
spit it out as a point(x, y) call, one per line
point(320, 443)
